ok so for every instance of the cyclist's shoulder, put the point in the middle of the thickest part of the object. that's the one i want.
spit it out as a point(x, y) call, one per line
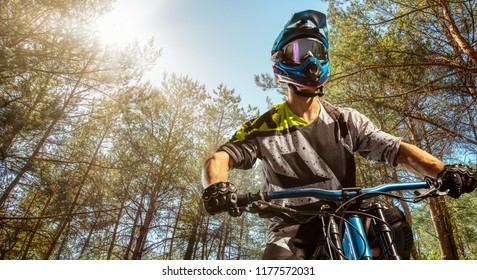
point(331, 107)
point(277, 118)
point(265, 120)
point(342, 113)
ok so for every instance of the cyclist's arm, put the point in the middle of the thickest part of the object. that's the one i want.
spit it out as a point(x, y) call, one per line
point(418, 161)
point(216, 169)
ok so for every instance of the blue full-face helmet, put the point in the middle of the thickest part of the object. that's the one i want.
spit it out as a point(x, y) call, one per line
point(300, 52)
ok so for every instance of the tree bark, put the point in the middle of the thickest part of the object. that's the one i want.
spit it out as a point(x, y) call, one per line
point(135, 225)
point(86, 242)
point(115, 230)
point(144, 229)
point(35, 229)
point(444, 228)
point(176, 224)
point(465, 46)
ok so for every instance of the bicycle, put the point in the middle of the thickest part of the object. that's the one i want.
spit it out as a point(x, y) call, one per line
point(349, 242)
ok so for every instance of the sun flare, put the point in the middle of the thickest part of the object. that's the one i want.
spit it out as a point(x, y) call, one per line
point(127, 22)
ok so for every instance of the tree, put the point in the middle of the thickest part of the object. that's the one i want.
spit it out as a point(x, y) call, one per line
point(411, 61)
point(59, 90)
point(211, 237)
point(156, 130)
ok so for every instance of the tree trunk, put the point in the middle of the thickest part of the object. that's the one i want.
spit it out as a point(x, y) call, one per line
point(240, 240)
point(225, 241)
point(115, 231)
point(191, 241)
point(144, 229)
point(59, 230)
point(444, 228)
point(176, 224)
point(65, 239)
point(135, 225)
point(35, 229)
point(439, 213)
point(204, 234)
point(221, 240)
point(86, 242)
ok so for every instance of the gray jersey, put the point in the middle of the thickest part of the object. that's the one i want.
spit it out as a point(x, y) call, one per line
point(297, 154)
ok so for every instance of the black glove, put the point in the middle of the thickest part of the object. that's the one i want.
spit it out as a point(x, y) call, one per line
point(457, 179)
point(221, 197)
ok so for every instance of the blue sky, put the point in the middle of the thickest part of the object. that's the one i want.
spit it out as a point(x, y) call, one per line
point(211, 41)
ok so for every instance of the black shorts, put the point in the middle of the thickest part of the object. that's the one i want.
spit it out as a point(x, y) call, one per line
point(302, 245)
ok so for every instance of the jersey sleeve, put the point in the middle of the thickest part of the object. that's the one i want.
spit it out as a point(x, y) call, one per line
point(243, 154)
point(242, 147)
point(371, 142)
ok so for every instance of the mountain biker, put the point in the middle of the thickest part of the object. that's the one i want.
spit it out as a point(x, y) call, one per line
point(307, 142)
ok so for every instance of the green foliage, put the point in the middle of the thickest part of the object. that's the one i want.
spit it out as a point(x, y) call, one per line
point(465, 215)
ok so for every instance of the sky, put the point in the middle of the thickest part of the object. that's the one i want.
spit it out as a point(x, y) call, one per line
point(211, 41)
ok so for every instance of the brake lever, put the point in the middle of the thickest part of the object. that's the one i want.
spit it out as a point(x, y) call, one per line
point(434, 191)
point(261, 206)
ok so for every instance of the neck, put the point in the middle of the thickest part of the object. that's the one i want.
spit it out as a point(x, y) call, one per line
point(307, 108)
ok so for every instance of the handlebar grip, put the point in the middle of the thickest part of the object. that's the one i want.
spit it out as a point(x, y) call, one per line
point(243, 199)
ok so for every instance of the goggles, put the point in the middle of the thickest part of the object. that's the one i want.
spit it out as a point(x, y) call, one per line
point(297, 51)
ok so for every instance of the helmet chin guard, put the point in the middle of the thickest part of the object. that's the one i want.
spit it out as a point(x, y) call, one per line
point(305, 93)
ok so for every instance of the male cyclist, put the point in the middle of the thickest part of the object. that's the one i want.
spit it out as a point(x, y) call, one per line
point(308, 143)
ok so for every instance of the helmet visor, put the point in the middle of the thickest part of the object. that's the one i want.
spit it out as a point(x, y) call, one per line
point(297, 51)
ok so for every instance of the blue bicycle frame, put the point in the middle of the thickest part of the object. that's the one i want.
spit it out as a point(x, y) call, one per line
point(354, 244)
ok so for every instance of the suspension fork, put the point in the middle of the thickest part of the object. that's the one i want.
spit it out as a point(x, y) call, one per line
point(385, 235)
point(333, 239)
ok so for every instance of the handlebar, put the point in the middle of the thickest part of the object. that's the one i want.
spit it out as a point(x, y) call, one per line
point(348, 211)
point(344, 194)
